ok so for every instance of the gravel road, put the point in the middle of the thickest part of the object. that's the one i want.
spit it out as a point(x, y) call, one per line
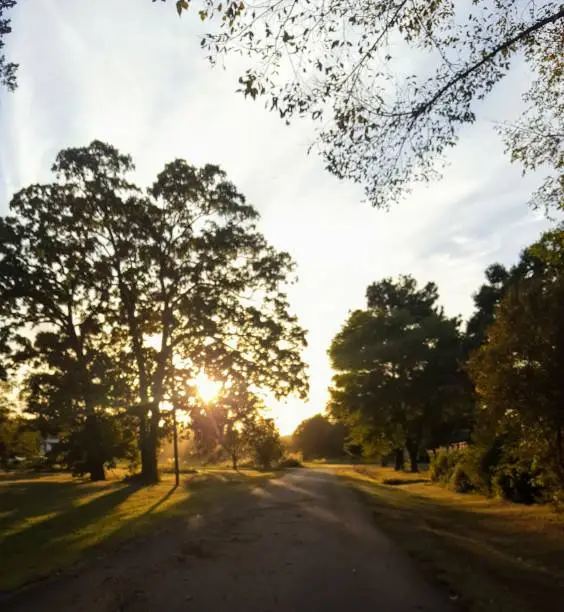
point(304, 542)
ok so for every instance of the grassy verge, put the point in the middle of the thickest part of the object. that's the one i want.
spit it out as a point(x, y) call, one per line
point(493, 556)
point(49, 522)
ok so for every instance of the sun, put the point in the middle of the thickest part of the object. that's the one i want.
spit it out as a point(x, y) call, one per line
point(207, 388)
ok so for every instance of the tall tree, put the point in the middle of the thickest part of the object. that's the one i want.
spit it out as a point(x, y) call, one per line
point(317, 437)
point(264, 442)
point(518, 372)
point(398, 375)
point(179, 276)
point(513, 388)
point(392, 81)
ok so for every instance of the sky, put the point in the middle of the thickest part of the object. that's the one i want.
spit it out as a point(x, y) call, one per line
point(131, 73)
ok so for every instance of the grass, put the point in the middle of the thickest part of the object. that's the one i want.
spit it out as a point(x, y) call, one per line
point(50, 522)
point(492, 555)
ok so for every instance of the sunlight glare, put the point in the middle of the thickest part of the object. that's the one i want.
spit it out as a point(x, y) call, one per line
point(207, 388)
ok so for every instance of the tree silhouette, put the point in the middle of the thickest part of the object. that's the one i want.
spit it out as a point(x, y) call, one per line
point(174, 277)
point(317, 438)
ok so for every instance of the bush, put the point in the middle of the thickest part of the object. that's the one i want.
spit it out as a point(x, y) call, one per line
point(480, 464)
point(519, 483)
point(510, 467)
point(290, 461)
point(454, 468)
point(438, 466)
point(460, 481)
point(443, 464)
point(265, 445)
point(497, 467)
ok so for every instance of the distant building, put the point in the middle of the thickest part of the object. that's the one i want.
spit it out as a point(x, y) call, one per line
point(455, 442)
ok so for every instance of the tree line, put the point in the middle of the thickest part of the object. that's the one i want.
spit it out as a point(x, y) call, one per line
point(411, 380)
point(114, 298)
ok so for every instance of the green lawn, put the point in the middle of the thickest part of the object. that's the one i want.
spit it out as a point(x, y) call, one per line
point(492, 555)
point(49, 522)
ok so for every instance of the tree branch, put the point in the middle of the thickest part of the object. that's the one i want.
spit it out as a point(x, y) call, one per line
point(423, 108)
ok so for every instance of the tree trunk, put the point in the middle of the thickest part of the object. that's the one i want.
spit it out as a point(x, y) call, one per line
point(234, 460)
point(97, 471)
point(93, 447)
point(146, 446)
point(150, 447)
point(150, 471)
point(399, 460)
point(412, 447)
point(413, 455)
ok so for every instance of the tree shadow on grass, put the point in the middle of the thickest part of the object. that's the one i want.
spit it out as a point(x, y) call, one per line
point(164, 517)
point(69, 519)
point(54, 540)
point(33, 498)
point(62, 527)
point(206, 480)
point(396, 482)
point(161, 501)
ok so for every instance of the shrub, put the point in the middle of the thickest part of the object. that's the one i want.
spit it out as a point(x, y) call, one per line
point(290, 461)
point(519, 482)
point(480, 463)
point(454, 468)
point(496, 466)
point(438, 466)
point(443, 464)
point(460, 481)
point(264, 441)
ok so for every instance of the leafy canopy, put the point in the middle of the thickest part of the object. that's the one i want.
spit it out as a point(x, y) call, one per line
point(145, 288)
point(398, 382)
point(317, 437)
point(392, 81)
point(518, 369)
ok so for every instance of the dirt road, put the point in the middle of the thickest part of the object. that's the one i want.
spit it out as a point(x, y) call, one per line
point(304, 542)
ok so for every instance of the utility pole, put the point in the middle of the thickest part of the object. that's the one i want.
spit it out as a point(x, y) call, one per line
point(175, 441)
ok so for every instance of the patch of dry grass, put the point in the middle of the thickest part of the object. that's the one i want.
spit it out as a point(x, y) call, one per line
point(492, 555)
point(49, 522)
